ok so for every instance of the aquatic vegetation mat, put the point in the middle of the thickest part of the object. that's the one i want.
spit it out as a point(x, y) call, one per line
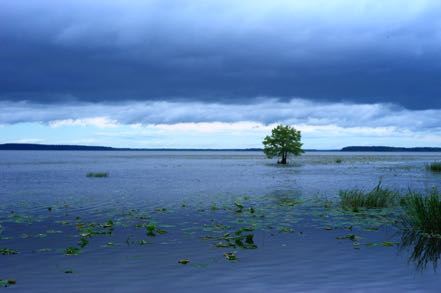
point(232, 230)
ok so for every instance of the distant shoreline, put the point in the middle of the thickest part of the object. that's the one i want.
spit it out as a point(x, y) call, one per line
point(45, 147)
point(389, 149)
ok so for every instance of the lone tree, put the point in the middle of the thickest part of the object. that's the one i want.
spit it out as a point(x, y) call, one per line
point(284, 140)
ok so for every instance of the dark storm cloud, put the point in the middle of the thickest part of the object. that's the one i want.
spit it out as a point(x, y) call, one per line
point(224, 52)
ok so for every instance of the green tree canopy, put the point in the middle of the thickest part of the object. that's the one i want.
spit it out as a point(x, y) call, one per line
point(284, 140)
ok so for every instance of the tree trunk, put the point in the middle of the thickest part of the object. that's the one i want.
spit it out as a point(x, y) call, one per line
point(283, 160)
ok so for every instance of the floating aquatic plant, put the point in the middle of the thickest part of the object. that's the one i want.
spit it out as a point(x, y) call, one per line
point(152, 230)
point(88, 230)
point(286, 230)
point(183, 261)
point(230, 256)
point(239, 207)
point(71, 250)
point(97, 174)
point(7, 283)
point(7, 251)
point(83, 242)
point(288, 202)
point(352, 237)
point(236, 239)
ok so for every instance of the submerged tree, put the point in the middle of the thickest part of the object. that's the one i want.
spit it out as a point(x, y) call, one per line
point(284, 140)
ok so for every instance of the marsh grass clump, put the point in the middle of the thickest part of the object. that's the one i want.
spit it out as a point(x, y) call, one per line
point(97, 174)
point(423, 213)
point(434, 167)
point(338, 161)
point(379, 197)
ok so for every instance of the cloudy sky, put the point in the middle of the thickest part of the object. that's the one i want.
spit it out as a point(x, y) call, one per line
point(220, 74)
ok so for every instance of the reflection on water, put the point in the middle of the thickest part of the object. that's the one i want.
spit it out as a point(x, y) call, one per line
point(425, 250)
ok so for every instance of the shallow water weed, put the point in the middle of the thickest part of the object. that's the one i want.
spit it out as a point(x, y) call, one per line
point(7, 251)
point(352, 237)
point(7, 283)
point(97, 174)
point(183, 261)
point(152, 229)
point(231, 256)
point(285, 230)
point(434, 167)
point(384, 244)
point(72, 251)
point(377, 198)
point(423, 213)
point(288, 202)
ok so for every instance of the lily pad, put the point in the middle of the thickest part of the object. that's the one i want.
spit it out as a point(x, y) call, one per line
point(7, 251)
point(7, 283)
point(183, 261)
point(72, 251)
point(230, 256)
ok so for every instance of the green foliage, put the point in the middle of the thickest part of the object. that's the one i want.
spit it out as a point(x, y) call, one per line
point(152, 230)
point(284, 140)
point(435, 167)
point(97, 174)
point(338, 160)
point(288, 202)
point(72, 250)
point(83, 242)
point(230, 256)
point(423, 213)
point(7, 251)
point(183, 261)
point(352, 237)
point(377, 198)
point(7, 283)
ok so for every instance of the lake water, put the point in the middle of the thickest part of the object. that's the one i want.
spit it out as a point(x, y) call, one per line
point(128, 231)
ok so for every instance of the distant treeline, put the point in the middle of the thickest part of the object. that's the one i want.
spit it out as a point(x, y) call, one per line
point(45, 147)
point(388, 149)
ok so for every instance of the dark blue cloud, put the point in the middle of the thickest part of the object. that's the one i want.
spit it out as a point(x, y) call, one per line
point(226, 52)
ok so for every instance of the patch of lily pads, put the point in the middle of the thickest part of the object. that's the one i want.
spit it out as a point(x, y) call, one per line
point(7, 283)
point(8, 251)
point(231, 223)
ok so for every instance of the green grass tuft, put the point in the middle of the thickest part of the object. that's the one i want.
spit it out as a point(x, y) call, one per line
point(434, 167)
point(379, 197)
point(97, 174)
point(423, 213)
